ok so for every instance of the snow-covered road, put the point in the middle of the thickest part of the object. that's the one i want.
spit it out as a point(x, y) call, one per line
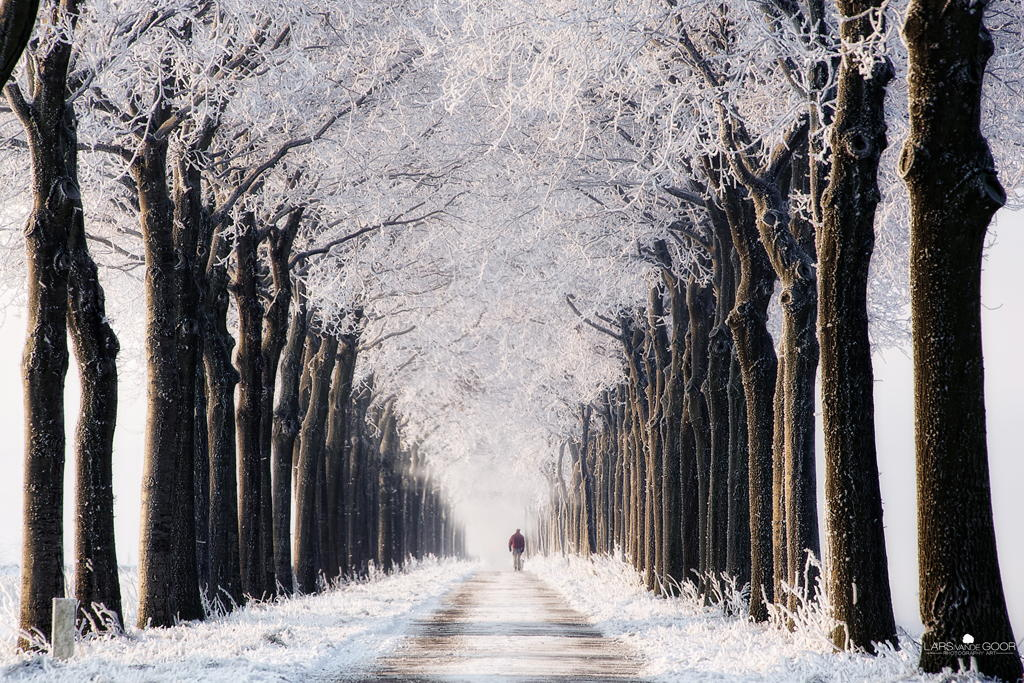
point(506, 626)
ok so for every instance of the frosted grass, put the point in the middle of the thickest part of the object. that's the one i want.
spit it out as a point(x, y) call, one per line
point(681, 639)
point(321, 636)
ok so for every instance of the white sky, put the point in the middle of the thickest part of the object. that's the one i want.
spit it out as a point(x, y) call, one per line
point(489, 528)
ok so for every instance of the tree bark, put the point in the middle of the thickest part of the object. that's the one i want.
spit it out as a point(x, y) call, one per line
point(954, 192)
point(248, 411)
point(780, 556)
point(655, 363)
point(717, 396)
point(191, 239)
point(311, 451)
point(189, 232)
point(96, 347)
point(385, 557)
point(276, 331)
point(160, 585)
point(17, 17)
point(701, 316)
point(354, 493)
point(201, 472)
point(335, 454)
point(800, 355)
point(858, 581)
point(737, 559)
point(45, 359)
point(221, 378)
point(285, 430)
point(673, 568)
point(689, 500)
point(758, 366)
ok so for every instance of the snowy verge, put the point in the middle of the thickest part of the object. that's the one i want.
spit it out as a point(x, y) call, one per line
point(307, 638)
point(682, 640)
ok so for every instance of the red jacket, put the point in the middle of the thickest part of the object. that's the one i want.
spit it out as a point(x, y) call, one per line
point(517, 542)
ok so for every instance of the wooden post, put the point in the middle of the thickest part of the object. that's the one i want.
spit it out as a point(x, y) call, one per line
point(63, 636)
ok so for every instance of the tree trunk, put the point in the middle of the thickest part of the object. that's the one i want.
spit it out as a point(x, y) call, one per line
point(758, 365)
point(221, 378)
point(858, 581)
point(674, 569)
point(60, 265)
point(780, 556)
point(322, 516)
point(311, 451)
point(336, 563)
point(96, 347)
point(954, 192)
point(276, 333)
point(45, 359)
point(17, 17)
point(717, 502)
point(700, 303)
point(353, 494)
point(166, 593)
point(201, 472)
point(690, 502)
point(385, 558)
point(737, 560)
point(191, 238)
point(189, 228)
point(655, 363)
point(800, 350)
point(247, 416)
point(285, 430)
point(799, 370)
point(794, 267)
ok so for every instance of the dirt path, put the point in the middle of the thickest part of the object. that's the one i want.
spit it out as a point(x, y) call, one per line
point(506, 626)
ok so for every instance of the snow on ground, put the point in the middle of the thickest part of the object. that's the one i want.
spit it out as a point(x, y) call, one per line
point(683, 640)
point(315, 637)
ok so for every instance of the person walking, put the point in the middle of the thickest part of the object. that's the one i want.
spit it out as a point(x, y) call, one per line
point(516, 546)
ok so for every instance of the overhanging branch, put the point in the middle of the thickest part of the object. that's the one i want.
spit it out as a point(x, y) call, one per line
point(600, 328)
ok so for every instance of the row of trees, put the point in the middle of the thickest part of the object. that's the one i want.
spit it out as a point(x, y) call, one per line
point(436, 177)
point(700, 462)
point(259, 421)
